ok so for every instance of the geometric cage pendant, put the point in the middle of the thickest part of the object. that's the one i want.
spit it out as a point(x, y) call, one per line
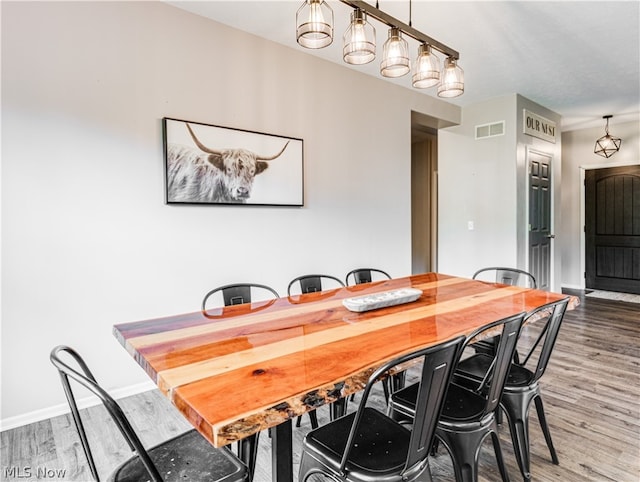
point(607, 145)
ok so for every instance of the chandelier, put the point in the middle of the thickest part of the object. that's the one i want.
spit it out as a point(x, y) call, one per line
point(314, 21)
point(607, 145)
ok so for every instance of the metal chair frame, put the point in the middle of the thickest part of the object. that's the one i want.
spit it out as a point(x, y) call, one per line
point(311, 283)
point(522, 387)
point(237, 293)
point(401, 454)
point(509, 276)
point(463, 436)
point(364, 275)
point(83, 376)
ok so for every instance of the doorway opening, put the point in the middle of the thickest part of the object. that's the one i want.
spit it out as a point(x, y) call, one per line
point(424, 198)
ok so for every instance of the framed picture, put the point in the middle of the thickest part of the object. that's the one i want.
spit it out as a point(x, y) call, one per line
point(207, 164)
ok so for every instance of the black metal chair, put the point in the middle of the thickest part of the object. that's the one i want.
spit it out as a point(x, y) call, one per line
point(522, 387)
point(507, 276)
point(468, 416)
point(238, 293)
point(364, 275)
point(367, 275)
point(185, 457)
point(311, 283)
point(367, 445)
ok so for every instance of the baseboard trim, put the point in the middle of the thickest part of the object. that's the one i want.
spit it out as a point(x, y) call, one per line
point(63, 408)
point(573, 287)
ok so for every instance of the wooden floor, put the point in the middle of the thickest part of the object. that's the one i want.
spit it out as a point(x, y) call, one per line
point(591, 393)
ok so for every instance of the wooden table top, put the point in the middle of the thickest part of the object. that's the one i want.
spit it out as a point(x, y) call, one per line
point(238, 370)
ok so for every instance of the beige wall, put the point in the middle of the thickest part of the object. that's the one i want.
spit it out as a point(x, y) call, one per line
point(87, 240)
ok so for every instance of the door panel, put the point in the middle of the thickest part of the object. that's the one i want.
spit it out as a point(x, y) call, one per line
point(540, 218)
point(612, 227)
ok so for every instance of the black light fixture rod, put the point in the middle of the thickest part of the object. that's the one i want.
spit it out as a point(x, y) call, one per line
point(407, 29)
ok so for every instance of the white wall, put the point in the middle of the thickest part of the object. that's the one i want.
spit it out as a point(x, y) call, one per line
point(87, 240)
point(577, 153)
point(477, 183)
point(485, 182)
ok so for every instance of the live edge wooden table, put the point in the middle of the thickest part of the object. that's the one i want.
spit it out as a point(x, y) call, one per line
point(236, 371)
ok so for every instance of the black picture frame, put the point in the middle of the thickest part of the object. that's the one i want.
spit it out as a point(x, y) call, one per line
point(210, 164)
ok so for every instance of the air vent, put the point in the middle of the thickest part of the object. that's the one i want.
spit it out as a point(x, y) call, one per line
point(490, 130)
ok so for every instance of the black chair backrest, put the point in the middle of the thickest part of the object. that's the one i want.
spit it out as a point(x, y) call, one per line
point(548, 335)
point(310, 283)
point(438, 363)
point(496, 377)
point(83, 376)
point(508, 276)
point(363, 275)
point(237, 293)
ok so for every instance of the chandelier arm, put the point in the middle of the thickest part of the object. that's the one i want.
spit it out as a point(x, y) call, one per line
point(406, 29)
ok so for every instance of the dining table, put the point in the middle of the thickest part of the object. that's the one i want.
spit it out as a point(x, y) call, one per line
point(238, 370)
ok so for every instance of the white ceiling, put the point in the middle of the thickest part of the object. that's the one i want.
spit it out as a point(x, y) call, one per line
point(579, 59)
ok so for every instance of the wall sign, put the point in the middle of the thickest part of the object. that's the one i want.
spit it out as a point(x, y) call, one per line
point(538, 126)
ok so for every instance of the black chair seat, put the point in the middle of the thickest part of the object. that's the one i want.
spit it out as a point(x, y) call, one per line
point(460, 404)
point(381, 443)
point(188, 456)
point(475, 367)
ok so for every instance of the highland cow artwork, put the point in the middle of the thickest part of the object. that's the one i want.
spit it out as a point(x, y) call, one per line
point(206, 164)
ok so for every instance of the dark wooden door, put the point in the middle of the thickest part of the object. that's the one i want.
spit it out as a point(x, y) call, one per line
point(540, 234)
point(612, 227)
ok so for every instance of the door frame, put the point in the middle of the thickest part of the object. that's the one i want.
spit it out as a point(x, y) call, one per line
point(583, 236)
point(552, 159)
point(421, 134)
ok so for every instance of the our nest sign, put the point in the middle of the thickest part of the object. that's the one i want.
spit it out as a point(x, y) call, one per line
point(537, 126)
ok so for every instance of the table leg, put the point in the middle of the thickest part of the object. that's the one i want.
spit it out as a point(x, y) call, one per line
point(282, 452)
point(399, 380)
point(248, 451)
point(338, 408)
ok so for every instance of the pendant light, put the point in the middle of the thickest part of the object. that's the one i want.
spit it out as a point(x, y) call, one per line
point(314, 30)
point(452, 79)
point(427, 68)
point(395, 55)
point(607, 145)
point(359, 40)
point(314, 21)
